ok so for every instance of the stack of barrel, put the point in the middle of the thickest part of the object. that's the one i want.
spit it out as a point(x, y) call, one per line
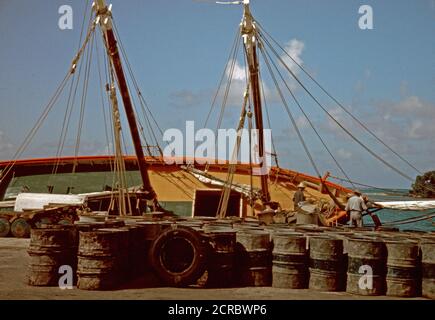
point(233, 252)
point(253, 258)
point(52, 251)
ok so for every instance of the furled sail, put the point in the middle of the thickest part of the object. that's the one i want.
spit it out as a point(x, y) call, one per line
point(408, 205)
point(207, 178)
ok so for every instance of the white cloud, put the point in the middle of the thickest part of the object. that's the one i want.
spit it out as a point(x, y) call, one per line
point(294, 48)
point(302, 122)
point(238, 72)
point(344, 154)
point(405, 125)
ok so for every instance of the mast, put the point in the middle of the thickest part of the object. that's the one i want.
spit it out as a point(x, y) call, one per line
point(105, 21)
point(250, 41)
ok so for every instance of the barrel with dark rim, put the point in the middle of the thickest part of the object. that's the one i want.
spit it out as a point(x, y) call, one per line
point(178, 256)
point(50, 248)
point(253, 258)
point(366, 266)
point(403, 268)
point(220, 264)
point(428, 267)
point(20, 228)
point(289, 260)
point(102, 258)
point(327, 265)
point(5, 226)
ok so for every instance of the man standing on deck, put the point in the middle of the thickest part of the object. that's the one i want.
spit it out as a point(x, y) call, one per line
point(355, 207)
point(298, 196)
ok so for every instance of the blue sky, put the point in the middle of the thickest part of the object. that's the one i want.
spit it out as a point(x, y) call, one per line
point(178, 50)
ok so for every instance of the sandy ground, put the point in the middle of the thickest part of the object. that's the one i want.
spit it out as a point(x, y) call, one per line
point(13, 273)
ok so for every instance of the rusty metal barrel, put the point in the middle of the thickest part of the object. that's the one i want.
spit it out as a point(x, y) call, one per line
point(366, 266)
point(326, 264)
point(289, 260)
point(253, 258)
point(427, 246)
point(5, 227)
point(220, 264)
point(50, 248)
point(20, 228)
point(102, 258)
point(403, 269)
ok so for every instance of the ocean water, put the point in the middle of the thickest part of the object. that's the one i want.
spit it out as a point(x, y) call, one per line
point(388, 215)
point(88, 182)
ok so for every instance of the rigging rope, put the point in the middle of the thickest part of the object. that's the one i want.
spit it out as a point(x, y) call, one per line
point(230, 68)
point(289, 113)
point(337, 102)
point(233, 48)
point(274, 152)
point(366, 185)
point(142, 101)
point(29, 137)
point(335, 120)
point(307, 118)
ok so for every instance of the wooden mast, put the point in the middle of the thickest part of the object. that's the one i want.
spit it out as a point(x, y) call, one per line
point(105, 21)
point(250, 41)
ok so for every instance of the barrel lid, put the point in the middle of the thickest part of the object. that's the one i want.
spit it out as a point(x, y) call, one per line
point(123, 229)
point(220, 230)
point(287, 234)
point(252, 232)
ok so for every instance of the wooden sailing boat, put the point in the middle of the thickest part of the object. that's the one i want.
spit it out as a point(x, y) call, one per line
point(170, 185)
point(199, 190)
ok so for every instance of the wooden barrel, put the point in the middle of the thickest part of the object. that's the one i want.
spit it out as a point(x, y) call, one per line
point(366, 255)
point(428, 267)
point(289, 261)
point(102, 259)
point(253, 258)
point(5, 227)
point(220, 264)
point(326, 264)
point(49, 249)
point(403, 272)
point(20, 228)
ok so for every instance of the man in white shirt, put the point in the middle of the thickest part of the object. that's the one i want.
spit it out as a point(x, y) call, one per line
point(355, 207)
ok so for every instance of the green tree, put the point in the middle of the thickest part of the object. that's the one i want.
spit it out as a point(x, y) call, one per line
point(424, 186)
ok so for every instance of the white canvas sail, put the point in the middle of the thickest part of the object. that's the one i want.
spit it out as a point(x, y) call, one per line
point(418, 205)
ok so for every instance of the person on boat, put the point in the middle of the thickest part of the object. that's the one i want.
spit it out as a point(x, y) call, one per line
point(299, 196)
point(355, 207)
